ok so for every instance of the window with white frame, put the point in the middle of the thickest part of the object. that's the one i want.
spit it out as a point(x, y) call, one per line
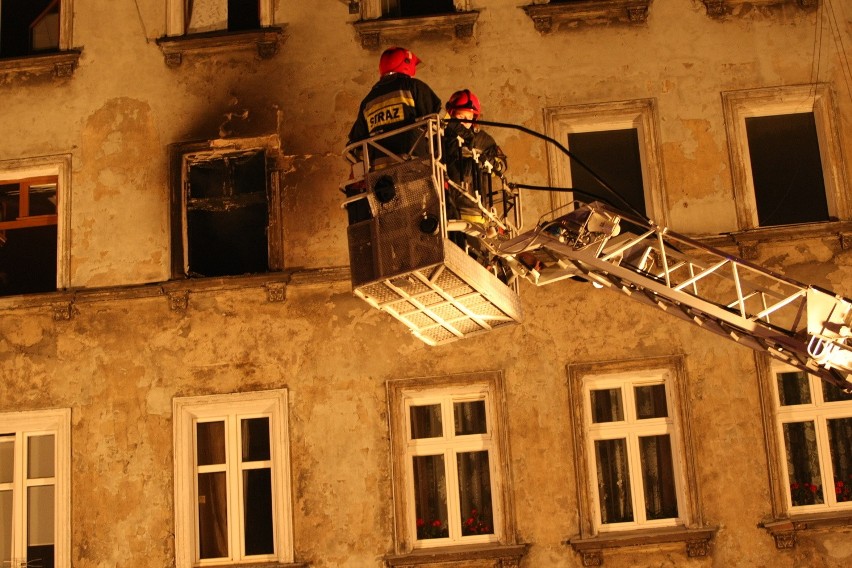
point(232, 479)
point(814, 430)
point(635, 464)
point(34, 209)
point(227, 208)
point(616, 142)
point(785, 156)
point(200, 16)
point(35, 466)
point(449, 462)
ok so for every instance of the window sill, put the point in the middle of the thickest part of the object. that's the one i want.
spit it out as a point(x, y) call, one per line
point(747, 241)
point(720, 8)
point(550, 17)
point(59, 64)
point(591, 549)
point(266, 41)
point(501, 554)
point(373, 32)
point(784, 531)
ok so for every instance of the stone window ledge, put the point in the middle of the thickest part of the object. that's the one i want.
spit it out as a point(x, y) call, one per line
point(720, 8)
point(550, 17)
point(58, 64)
point(266, 41)
point(503, 555)
point(747, 241)
point(373, 32)
point(784, 531)
point(697, 542)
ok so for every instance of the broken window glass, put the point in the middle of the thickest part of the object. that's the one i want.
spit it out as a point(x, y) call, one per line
point(410, 8)
point(220, 15)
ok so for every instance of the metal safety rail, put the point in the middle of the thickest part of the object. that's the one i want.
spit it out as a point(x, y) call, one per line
point(802, 325)
point(401, 257)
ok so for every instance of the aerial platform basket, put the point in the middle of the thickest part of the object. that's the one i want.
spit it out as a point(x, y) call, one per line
point(403, 263)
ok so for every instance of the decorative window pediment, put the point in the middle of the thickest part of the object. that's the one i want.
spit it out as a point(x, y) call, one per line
point(557, 15)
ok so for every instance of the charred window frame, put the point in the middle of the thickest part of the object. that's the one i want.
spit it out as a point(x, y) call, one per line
point(390, 9)
point(770, 131)
point(34, 230)
point(226, 208)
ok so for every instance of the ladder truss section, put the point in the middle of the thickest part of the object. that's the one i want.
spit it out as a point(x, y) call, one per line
point(800, 324)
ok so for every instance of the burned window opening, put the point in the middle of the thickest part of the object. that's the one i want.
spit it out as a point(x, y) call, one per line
point(227, 215)
point(29, 28)
point(28, 235)
point(614, 156)
point(414, 8)
point(786, 169)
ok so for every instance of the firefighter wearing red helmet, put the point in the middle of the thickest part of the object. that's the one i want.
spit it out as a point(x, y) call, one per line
point(470, 150)
point(396, 100)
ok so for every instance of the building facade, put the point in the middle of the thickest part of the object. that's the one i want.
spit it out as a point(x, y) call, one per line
point(188, 380)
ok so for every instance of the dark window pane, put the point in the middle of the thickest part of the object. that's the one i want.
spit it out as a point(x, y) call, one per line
point(658, 477)
point(832, 393)
point(243, 15)
point(614, 156)
point(43, 199)
point(787, 169)
point(41, 556)
point(17, 16)
point(607, 406)
point(210, 443)
point(406, 8)
point(212, 515)
point(651, 401)
point(803, 463)
point(470, 417)
point(426, 421)
point(614, 490)
point(209, 179)
point(257, 504)
point(793, 388)
point(475, 493)
point(228, 243)
point(255, 442)
point(840, 447)
point(28, 260)
point(430, 491)
point(249, 173)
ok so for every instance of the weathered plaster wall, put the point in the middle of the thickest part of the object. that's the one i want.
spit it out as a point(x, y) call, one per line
point(121, 358)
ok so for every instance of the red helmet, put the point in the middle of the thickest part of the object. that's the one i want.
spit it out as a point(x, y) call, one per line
point(464, 100)
point(398, 60)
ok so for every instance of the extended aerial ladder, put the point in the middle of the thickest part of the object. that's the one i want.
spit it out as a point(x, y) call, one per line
point(404, 263)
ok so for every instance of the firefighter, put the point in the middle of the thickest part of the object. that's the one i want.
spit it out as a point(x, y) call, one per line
point(396, 100)
point(472, 154)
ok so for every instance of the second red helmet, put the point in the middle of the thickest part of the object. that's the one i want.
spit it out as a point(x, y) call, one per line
point(463, 100)
point(398, 60)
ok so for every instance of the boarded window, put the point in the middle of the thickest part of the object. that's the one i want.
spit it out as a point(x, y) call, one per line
point(227, 216)
point(409, 8)
point(28, 27)
point(28, 235)
point(786, 169)
point(613, 155)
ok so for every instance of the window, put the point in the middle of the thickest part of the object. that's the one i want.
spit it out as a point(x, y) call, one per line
point(407, 8)
point(232, 479)
point(785, 156)
point(35, 468)
point(199, 16)
point(633, 438)
point(229, 214)
point(28, 28)
point(618, 142)
point(814, 428)
point(450, 465)
point(33, 225)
